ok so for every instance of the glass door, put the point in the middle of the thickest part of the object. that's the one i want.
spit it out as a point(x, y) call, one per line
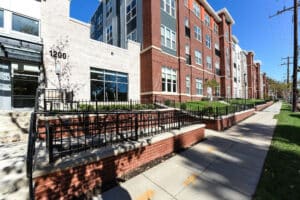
point(25, 84)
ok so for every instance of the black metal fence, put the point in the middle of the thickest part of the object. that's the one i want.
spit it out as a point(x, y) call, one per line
point(84, 131)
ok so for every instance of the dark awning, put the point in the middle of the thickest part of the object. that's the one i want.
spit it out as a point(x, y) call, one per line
point(20, 50)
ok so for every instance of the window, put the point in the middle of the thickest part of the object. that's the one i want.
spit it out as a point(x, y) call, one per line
point(168, 6)
point(25, 25)
point(1, 18)
point(196, 9)
point(108, 85)
point(132, 36)
point(228, 91)
point(198, 57)
point(208, 41)
point(187, 55)
point(188, 84)
point(108, 7)
point(216, 28)
point(186, 22)
point(207, 20)
point(199, 87)
point(169, 80)
point(217, 89)
point(197, 33)
point(208, 62)
point(131, 11)
point(109, 38)
point(217, 49)
point(187, 27)
point(218, 71)
point(168, 37)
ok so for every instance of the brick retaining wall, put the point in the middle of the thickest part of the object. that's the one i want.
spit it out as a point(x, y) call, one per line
point(228, 121)
point(74, 181)
point(263, 106)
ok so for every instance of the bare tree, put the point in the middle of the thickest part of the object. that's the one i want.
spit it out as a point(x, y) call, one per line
point(62, 61)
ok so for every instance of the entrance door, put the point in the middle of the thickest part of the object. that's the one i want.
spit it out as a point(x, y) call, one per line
point(25, 83)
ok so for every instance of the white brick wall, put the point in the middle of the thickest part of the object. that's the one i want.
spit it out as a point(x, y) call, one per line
point(84, 52)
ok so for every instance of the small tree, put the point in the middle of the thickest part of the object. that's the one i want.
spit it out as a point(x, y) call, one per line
point(64, 78)
point(212, 84)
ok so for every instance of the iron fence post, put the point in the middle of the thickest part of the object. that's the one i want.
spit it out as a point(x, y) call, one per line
point(226, 110)
point(50, 145)
point(179, 120)
point(136, 126)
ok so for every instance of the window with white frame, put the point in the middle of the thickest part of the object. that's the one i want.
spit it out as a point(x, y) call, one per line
point(208, 41)
point(199, 87)
point(197, 33)
point(109, 38)
point(1, 18)
point(198, 57)
point(187, 49)
point(196, 9)
point(217, 66)
point(217, 91)
point(108, 7)
point(207, 19)
point(168, 37)
point(208, 62)
point(186, 22)
point(168, 6)
point(217, 46)
point(187, 84)
point(132, 36)
point(169, 80)
point(216, 28)
point(131, 11)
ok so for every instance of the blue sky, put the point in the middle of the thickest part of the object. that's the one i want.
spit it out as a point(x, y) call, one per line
point(271, 39)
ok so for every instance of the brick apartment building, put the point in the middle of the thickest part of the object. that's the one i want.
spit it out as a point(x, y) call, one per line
point(178, 68)
point(184, 45)
point(257, 82)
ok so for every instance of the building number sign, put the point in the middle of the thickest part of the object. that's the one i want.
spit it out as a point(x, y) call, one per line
point(58, 54)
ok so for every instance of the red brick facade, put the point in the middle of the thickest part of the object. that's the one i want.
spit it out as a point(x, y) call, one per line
point(153, 58)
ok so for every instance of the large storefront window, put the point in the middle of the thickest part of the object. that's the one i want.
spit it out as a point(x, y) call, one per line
point(108, 85)
point(25, 25)
point(1, 18)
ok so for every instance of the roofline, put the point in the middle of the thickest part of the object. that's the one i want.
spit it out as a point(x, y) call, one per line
point(210, 10)
point(227, 14)
point(235, 39)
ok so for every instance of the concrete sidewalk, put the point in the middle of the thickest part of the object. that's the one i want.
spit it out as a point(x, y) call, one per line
point(225, 166)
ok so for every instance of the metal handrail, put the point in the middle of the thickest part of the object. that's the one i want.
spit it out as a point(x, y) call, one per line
point(32, 135)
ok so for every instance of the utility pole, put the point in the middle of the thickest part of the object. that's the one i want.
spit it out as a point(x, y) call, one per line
point(288, 69)
point(295, 63)
point(287, 76)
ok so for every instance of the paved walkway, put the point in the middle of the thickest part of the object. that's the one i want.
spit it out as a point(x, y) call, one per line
point(225, 166)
